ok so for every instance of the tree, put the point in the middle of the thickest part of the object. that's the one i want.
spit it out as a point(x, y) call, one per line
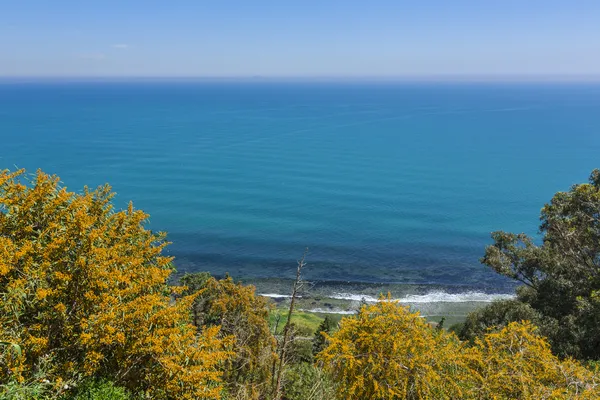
point(242, 316)
point(496, 315)
point(319, 340)
point(86, 287)
point(560, 277)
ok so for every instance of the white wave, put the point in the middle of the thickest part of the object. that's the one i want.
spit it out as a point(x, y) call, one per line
point(432, 297)
point(276, 296)
point(353, 297)
point(443, 297)
point(330, 311)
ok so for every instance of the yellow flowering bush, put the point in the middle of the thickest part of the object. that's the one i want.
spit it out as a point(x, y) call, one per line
point(516, 363)
point(387, 352)
point(242, 316)
point(86, 286)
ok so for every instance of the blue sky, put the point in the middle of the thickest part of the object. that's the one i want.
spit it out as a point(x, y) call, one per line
point(368, 38)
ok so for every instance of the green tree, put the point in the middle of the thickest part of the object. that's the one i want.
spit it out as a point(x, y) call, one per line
point(561, 277)
point(497, 314)
point(319, 340)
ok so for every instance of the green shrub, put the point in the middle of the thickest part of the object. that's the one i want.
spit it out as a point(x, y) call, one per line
point(24, 391)
point(101, 390)
point(305, 381)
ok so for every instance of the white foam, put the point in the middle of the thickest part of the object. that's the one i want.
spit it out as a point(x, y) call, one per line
point(432, 297)
point(277, 296)
point(330, 311)
point(466, 297)
point(353, 297)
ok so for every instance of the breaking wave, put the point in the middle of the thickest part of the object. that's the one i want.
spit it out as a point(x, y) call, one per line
point(432, 297)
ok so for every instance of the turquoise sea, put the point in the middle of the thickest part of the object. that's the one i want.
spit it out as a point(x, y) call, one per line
point(383, 182)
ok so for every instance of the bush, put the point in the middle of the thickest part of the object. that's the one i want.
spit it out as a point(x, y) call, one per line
point(101, 390)
point(37, 386)
point(86, 286)
point(14, 390)
point(305, 381)
point(516, 363)
point(387, 352)
point(242, 316)
point(300, 349)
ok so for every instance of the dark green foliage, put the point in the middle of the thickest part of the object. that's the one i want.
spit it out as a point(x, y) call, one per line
point(561, 278)
point(319, 342)
point(457, 328)
point(305, 381)
point(498, 314)
point(195, 282)
point(101, 390)
point(300, 350)
point(440, 325)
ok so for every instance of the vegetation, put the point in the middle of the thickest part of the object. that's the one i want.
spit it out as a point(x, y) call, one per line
point(101, 390)
point(242, 315)
point(85, 287)
point(320, 340)
point(560, 277)
point(387, 352)
point(305, 381)
point(306, 322)
point(87, 313)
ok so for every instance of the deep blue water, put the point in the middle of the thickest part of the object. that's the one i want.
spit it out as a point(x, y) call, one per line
point(383, 182)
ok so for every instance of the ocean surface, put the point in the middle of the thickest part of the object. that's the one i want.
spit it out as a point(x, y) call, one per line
point(395, 183)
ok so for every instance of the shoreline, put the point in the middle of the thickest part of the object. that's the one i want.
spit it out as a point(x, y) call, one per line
point(434, 302)
point(432, 306)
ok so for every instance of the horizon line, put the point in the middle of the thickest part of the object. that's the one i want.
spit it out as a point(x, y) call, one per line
point(433, 78)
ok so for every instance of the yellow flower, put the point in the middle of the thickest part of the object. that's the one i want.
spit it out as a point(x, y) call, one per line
point(42, 293)
point(107, 269)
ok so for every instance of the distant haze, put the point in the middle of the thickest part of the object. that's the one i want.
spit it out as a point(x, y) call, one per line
point(438, 39)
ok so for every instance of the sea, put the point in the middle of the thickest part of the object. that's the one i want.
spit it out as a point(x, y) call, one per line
point(385, 183)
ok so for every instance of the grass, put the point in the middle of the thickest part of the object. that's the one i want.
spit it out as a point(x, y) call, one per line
point(307, 323)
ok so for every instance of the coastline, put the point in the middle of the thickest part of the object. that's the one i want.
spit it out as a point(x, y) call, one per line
point(338, 298)
point(434, 302)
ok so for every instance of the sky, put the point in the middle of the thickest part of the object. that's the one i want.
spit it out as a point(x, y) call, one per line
point(289, 38)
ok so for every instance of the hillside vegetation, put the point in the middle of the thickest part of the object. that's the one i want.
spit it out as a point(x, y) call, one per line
point(88, 312)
